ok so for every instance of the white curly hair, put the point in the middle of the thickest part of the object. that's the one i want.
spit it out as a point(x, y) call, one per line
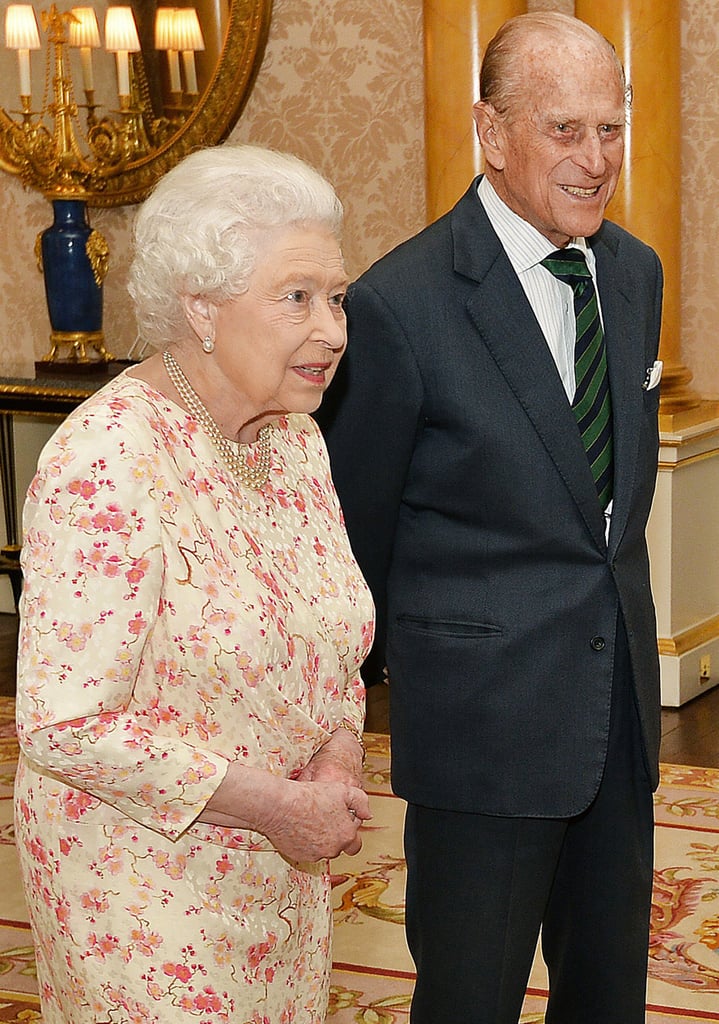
point(198, 232)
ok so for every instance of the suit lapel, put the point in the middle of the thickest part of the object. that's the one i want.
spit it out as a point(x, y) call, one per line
point(522, 354)
point(625, 361)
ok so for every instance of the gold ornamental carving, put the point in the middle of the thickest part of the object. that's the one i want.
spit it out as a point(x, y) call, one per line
point(116, 159)
point(98, 254)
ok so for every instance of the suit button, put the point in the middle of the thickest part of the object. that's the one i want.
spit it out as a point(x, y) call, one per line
point(597, 643)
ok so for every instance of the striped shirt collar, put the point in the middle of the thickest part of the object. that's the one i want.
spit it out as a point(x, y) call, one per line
point(524, 245)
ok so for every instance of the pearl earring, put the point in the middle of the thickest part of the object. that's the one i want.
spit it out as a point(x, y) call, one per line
point(208, 345)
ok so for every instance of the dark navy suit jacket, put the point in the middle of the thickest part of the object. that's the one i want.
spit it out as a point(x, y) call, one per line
point(472, 511)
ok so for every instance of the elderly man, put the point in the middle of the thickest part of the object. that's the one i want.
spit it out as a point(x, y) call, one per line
point(495, 451)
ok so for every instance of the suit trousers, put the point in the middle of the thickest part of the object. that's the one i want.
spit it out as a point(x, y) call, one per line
point(480, 888)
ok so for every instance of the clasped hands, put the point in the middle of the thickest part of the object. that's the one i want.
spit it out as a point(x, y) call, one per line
point(318, 814)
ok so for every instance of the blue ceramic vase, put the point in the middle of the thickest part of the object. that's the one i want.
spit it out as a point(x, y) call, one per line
point(74, 259)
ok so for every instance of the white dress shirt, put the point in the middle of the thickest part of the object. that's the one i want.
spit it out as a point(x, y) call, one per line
point(552, 300)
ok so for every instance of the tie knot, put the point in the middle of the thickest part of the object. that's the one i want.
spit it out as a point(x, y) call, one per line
point(567, 265)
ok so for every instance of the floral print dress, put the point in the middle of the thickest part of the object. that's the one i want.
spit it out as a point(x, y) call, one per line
point(172, 621)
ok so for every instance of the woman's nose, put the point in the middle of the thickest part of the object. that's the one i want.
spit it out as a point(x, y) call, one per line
point(330, 322)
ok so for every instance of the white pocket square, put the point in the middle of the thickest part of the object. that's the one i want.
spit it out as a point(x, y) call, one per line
point(654, 375)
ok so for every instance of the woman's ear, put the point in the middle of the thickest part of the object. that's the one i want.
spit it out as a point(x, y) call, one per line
point(489, 133)
point(199, 314)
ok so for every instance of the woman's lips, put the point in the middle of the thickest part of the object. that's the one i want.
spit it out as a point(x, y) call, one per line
point(313, 373)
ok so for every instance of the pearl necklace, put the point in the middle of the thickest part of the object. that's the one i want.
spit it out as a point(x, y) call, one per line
point(254, 475)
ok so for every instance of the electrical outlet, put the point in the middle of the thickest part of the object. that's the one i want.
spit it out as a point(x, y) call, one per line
point(705, 668)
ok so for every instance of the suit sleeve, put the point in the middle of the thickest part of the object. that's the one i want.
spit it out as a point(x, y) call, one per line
point(370, 420)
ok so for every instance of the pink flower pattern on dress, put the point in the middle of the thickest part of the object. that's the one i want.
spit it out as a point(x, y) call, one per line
point(173, 621)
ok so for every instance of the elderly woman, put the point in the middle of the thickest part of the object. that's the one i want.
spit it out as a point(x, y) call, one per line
point(193, 622)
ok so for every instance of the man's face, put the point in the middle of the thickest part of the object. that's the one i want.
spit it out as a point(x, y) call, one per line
point(559, 151)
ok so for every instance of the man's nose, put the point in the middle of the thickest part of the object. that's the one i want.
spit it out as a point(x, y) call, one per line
point(590, 154)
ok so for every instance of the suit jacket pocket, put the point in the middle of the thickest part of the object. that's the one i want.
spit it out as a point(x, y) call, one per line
point(447, 627)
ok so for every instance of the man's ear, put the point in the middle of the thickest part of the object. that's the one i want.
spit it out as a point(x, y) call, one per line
point(490, 133)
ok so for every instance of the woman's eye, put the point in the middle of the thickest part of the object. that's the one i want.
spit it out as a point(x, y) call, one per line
point(298, 296)
point(338, 300)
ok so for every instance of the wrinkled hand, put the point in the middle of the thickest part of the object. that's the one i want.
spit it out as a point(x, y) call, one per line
point(304, 820)
point(316, 820)
point(339, 760)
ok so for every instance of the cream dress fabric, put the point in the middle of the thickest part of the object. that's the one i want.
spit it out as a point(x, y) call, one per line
point(172, 621)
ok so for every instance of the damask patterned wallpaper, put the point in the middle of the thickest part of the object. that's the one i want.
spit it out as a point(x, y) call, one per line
point(341, 85)
point(700, 185)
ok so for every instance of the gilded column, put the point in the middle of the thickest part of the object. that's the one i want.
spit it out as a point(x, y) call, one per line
point(683, 529)
point(455, 35)
point(646, 34)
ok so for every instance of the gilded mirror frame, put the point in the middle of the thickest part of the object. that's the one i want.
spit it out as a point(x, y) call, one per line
point(210, 121)
point(214, 116)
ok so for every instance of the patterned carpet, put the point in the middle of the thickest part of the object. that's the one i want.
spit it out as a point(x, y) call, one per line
point(372, 980)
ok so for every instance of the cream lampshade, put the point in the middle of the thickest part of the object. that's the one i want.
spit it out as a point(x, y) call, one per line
point(84, 33)
point(165, 40)
point(188, 39)
point(21, 34)
point(121, 39)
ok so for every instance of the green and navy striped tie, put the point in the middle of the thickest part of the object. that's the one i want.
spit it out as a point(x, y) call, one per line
point(592, 402)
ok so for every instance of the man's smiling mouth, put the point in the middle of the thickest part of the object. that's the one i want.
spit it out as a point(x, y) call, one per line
point(583, 193)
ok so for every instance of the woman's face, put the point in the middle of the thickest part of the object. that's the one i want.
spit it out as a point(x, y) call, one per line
point(278, 345)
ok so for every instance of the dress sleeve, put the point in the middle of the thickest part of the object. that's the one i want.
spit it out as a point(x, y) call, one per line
point(354, 707)
point(93, 581)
